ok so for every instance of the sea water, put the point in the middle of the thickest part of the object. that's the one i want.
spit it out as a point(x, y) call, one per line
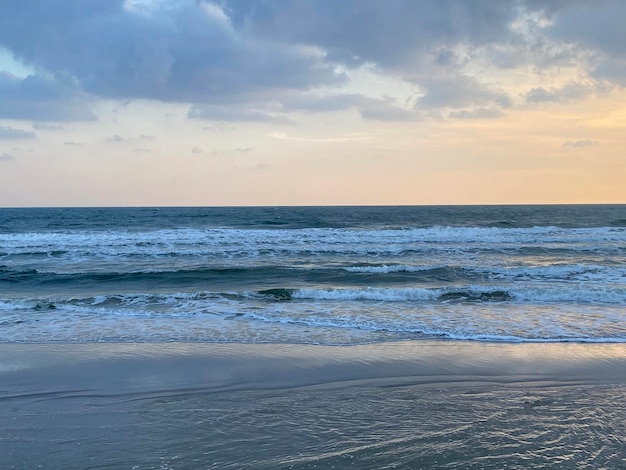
point(318, 275)
point(370, 278)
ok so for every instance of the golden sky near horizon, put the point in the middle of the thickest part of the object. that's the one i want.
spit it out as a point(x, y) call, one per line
point(156, 102)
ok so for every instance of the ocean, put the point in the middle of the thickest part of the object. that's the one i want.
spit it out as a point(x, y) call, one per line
point(313, 275)
point(479, 337)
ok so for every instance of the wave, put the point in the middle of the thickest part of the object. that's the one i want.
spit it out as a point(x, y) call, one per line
point(539, 293)
point(399, 268)
point(320, 315)
point(553, 272)
point(336, 275)
point(161, 240)
point(150, 277)
point(561, 294)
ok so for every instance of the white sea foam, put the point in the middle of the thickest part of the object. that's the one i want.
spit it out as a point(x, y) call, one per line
point(370, 293)
point(163, 243)
point(386, 269)
point(493, 284)
point(537, 293)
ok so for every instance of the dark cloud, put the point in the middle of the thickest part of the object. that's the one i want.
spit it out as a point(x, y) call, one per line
point(232, 58)
point(599, 27)
point(596, 24)
point(613, 70)
point(387, 33)
point(167, 50)
point(196, 150)
point(570, 92)
point(460, 92)
point(42, 99)
point(7, 132)
point(541, 95)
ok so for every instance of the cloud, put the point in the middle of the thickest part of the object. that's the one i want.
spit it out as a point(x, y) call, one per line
point(379, 109)
point(182, 50)
point(477, 113)
point(73, 144)
point(613, 69)
point(597, 25)
point(579, 143)
point(277, 108)
point(7, 132)
point(262, 167)
point(42, 99)
point(569, 92)
point(343, 138)
point(45, 126)
point(196, 150)
point(216, 126)
point(5, 157)
point(460, 92)
point(260, 60)
point(223, 113)
point(540, 95)
point(390, 34)
point(116, 138)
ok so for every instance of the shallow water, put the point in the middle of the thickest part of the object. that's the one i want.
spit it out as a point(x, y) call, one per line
point(423, 404)
point(365, 426)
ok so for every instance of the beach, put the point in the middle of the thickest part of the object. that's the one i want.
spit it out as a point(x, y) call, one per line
point(437, 404)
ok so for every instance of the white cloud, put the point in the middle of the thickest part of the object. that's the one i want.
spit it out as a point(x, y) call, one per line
point(341, 138)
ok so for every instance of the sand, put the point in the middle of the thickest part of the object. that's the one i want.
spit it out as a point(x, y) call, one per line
point(396, 405)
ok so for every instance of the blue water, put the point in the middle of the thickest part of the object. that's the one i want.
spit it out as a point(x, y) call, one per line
point(323, 275)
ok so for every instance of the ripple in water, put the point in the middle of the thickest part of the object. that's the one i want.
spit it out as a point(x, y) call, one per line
point(397, 427)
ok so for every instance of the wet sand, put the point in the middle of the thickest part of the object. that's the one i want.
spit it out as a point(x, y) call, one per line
point(408, 404)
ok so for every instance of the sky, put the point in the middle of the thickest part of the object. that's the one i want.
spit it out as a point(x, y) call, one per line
point(311, 102)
